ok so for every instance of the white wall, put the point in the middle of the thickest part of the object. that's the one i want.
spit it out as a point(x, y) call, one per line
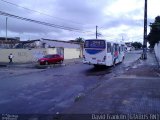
point(32, 55)
point(24, 55)
point(157, 51)
point(70, 53)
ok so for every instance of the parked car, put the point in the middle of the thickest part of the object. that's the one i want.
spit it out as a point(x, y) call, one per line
point(51, 59)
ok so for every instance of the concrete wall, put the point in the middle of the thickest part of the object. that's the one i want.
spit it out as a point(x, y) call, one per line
point(157, 51)
point(70, 53)
point(32, 55)
point(24, 55)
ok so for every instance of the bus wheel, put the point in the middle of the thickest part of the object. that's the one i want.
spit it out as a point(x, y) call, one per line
point(96, 66)
point(114, 62)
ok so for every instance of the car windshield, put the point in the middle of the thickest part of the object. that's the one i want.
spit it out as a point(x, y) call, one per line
point(48, 56)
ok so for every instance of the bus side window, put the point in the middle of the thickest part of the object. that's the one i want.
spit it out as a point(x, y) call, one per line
point(119, 49)
point(115, 47)
point(122, 48)
point(108, 47)
point(112, 49)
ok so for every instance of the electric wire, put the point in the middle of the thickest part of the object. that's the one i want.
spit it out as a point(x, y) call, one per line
point(40, 12)
point(42, 23)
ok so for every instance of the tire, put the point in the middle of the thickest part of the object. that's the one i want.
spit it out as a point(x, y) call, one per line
point(97, 66)
point(114, 62)
point(46, 63)
point(61, 62)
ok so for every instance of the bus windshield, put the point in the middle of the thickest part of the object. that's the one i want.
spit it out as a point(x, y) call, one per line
point(94, 44)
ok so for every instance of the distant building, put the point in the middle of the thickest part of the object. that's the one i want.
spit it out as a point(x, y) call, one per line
point(29, 44)
point(47, 43)
point(68, 49)
point(8, 42)
point(129, 46)
point(58, 43)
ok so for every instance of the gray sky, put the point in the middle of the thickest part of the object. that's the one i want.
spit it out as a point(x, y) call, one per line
point(114, 18)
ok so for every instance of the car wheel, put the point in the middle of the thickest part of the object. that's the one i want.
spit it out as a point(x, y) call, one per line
point(46, 63)
point(97, 66)
point(61, 62)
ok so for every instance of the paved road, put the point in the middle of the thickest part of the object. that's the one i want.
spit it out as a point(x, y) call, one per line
point(28, 90)
point(136, 91)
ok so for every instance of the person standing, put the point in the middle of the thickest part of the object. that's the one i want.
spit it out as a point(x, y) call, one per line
point(10, 57)
point(115, 57)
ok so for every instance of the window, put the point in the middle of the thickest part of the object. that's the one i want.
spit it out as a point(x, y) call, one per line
point(123, 48)
point(119, 49)
point(94, 44)
point(56, 56)
point(108, 47)
point(116, 47)
point(48, 56)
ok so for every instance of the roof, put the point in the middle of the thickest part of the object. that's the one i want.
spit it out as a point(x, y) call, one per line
point(29, 41)
point(10, 38)
point(59, 41)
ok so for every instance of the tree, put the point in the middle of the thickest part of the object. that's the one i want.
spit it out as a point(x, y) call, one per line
point(154, 35)
point(137, 45)
point(79, 40)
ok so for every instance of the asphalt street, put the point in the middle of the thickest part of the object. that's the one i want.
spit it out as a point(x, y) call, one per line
point(136, 91)
point(57, 89)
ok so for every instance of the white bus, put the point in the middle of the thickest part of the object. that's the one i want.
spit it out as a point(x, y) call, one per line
point(101, 52)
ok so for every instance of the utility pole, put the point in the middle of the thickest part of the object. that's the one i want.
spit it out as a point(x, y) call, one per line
point(6, 28)
point(144, 54)
point(96, 32)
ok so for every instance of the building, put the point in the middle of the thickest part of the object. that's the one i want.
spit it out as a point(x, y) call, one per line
point(31, 51)
point(129, 46)
point(29, 44)
point(57, 43)
point(8, 42)
point(47, 43)
point(67, 49)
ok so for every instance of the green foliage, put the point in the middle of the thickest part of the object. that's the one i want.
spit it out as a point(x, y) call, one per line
point(80, 40)
point(137, 45)
point(154, 35)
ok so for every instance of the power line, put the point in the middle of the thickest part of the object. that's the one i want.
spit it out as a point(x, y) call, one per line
point(39, 12)
point(42, 23)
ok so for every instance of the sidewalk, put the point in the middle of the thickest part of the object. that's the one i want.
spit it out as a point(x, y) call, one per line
point(137, 91)
point(33, 64)
point(145, 68)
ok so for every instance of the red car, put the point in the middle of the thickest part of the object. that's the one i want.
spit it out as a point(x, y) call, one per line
point(50, 59)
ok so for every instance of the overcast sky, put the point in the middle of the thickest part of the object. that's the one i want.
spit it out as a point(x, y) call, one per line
point(116, 19)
